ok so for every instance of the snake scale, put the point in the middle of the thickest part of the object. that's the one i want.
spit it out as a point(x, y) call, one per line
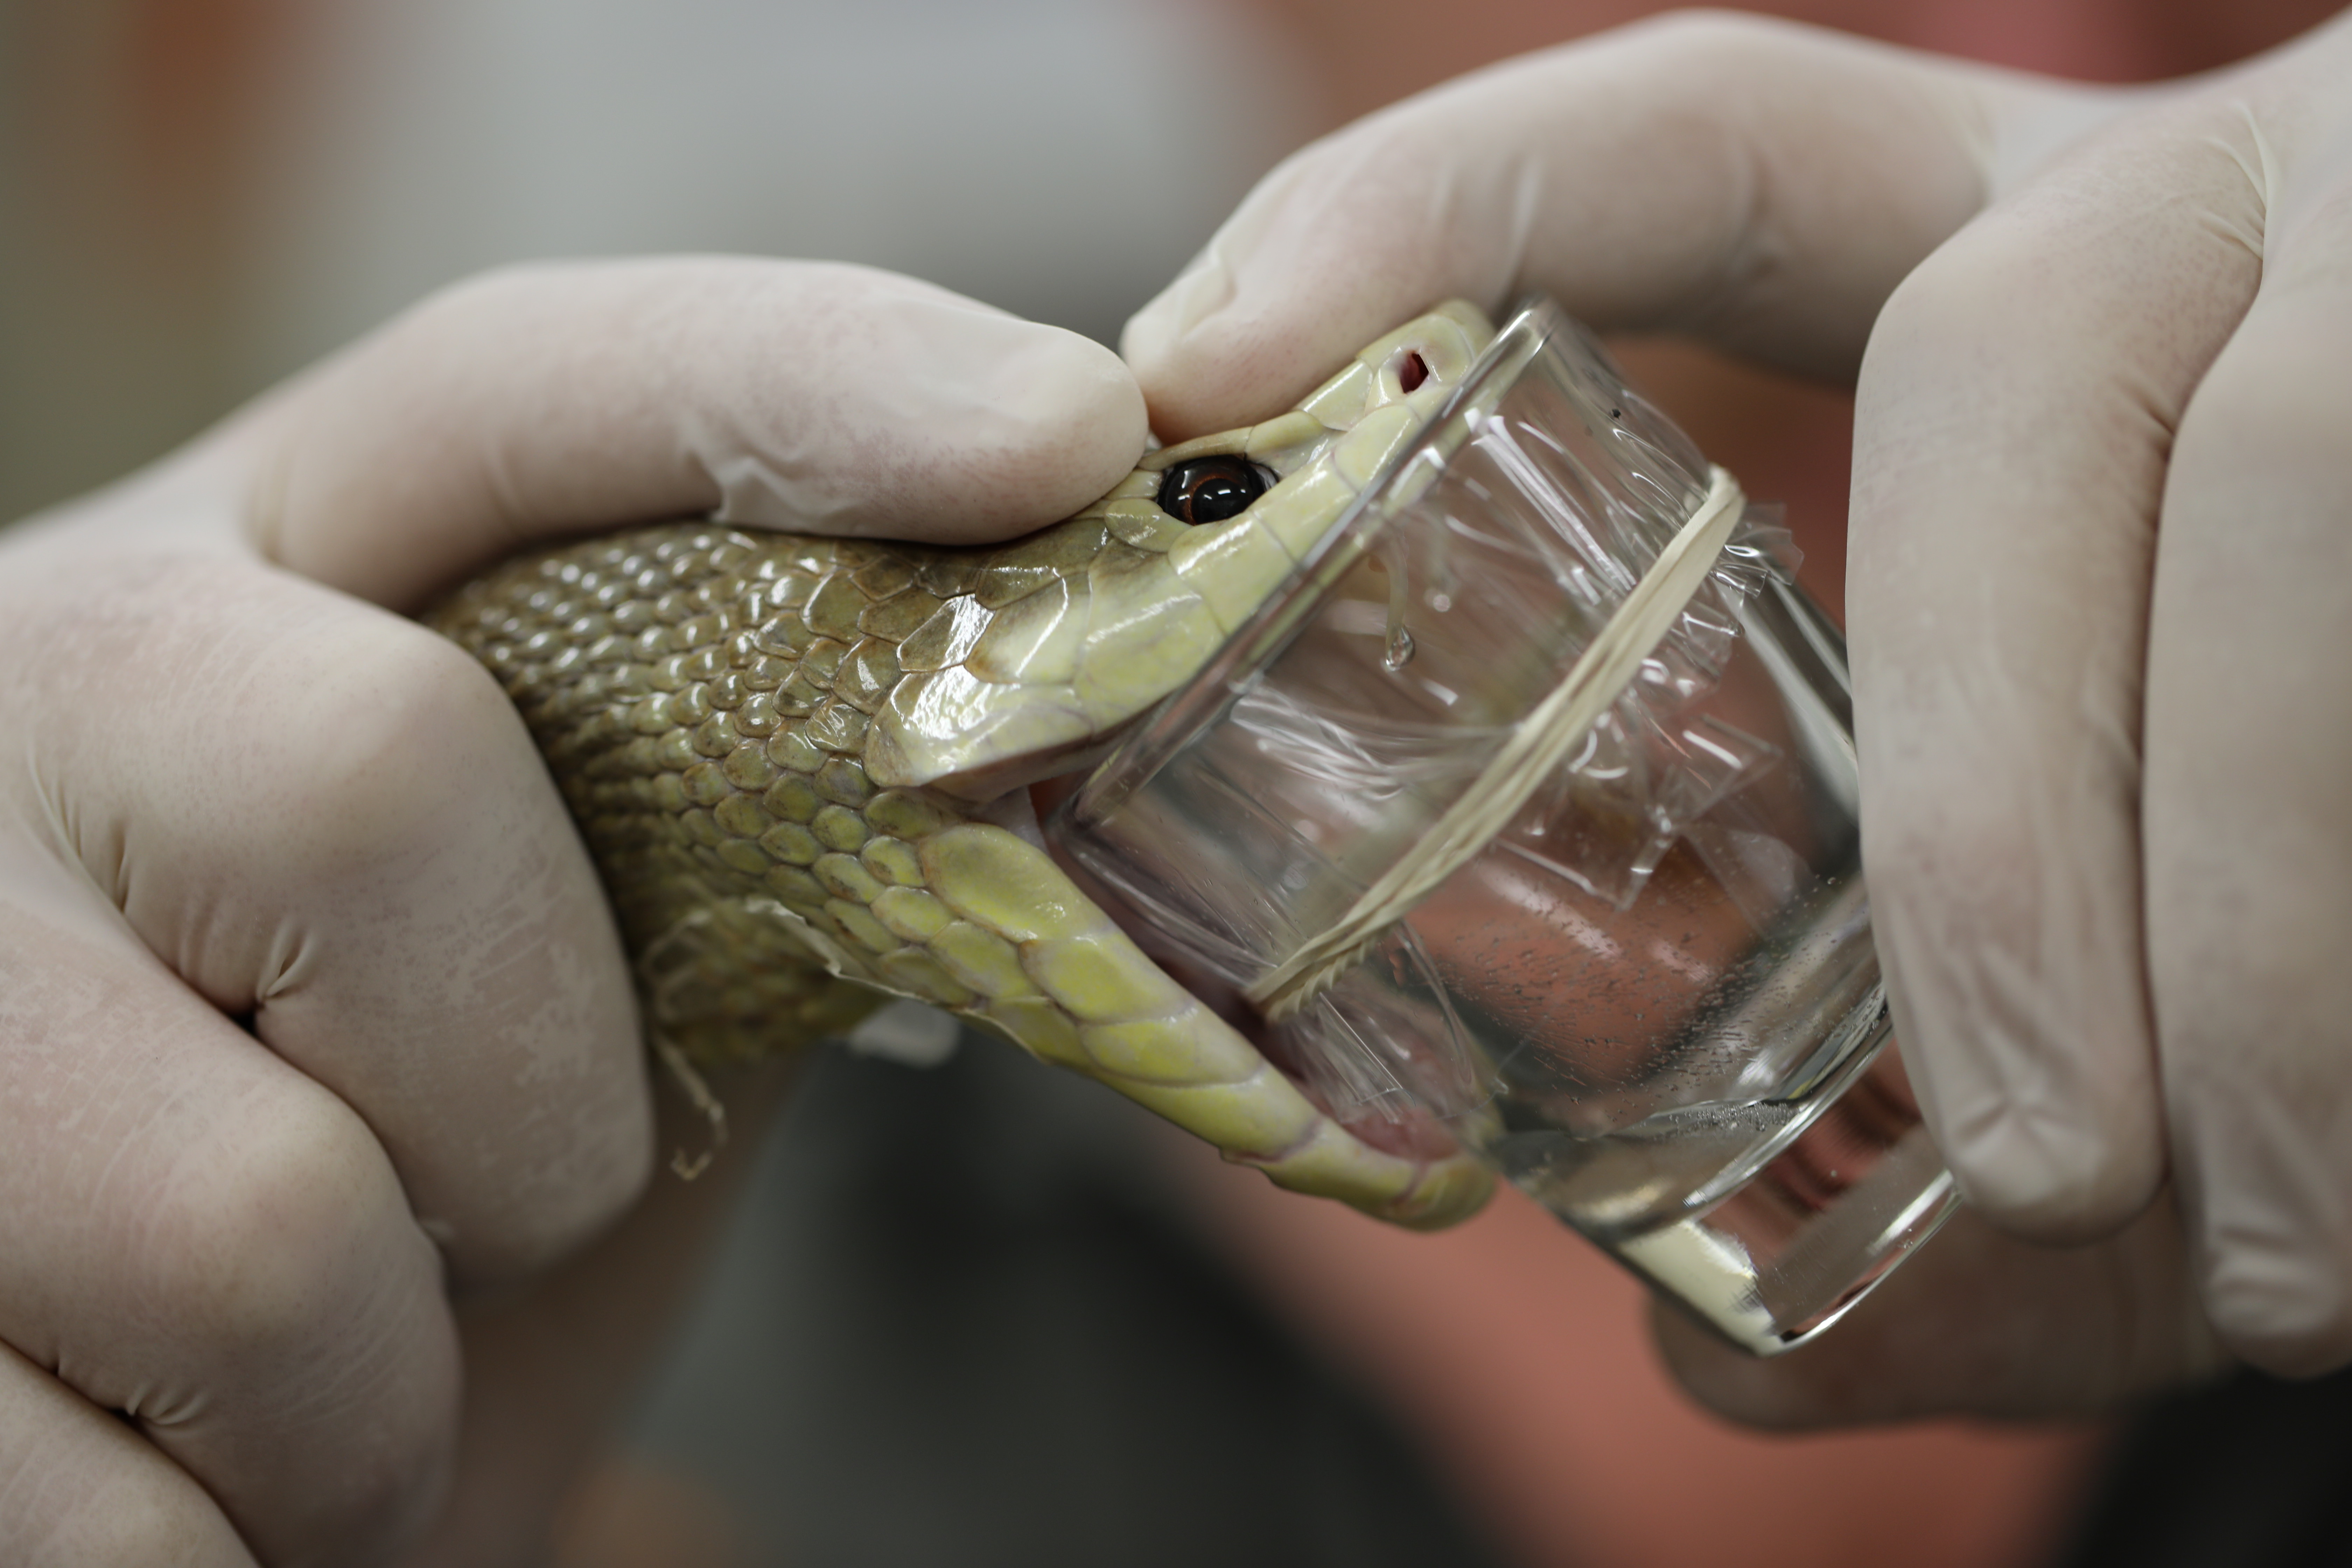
point(800, 763)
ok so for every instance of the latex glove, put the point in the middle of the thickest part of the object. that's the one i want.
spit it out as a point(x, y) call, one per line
point(2100, 569)
point(309, 998)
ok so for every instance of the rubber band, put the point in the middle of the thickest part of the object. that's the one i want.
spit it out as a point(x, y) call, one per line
point(1539, 743)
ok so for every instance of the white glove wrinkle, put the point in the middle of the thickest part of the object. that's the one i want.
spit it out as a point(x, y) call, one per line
point(79, 1486)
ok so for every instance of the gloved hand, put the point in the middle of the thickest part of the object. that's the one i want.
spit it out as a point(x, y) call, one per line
point(2101, 562)
point(311, 1007)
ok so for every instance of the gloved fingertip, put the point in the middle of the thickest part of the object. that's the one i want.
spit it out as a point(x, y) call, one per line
point(1236, 366)
point(2045, 1175)
point(920, 415)
point(1069, 423)
point(2036, 1082)
point(2284, 1311)
point(1154, 335)
point(2272, 1229)
point(1072, 391)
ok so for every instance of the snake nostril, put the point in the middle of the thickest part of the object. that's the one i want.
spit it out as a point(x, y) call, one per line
point(1210, 489)
point(1413, 371)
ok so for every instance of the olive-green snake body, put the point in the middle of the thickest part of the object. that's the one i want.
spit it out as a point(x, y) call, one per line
point(799, 763)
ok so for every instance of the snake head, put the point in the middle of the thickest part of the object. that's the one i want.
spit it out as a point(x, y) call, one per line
point(1038, 653)
point(797, 760)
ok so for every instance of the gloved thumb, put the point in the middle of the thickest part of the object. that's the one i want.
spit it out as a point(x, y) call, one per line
point(817, 397)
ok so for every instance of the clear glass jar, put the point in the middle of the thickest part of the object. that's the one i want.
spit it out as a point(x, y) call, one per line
point(1632, 967)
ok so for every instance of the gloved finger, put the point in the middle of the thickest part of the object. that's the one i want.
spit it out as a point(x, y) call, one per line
point(548, 401)
point(2012, 422)
point(329, 820)
point(2248, 822)
point(196, 1235)
point(1977, 1324)
point(83, 1488)
point(550, 1369)
point(1758, 183)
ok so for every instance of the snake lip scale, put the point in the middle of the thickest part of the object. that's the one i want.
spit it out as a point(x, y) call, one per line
point(800, 763)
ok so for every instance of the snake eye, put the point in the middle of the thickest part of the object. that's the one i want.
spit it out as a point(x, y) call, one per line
point(1211, 490)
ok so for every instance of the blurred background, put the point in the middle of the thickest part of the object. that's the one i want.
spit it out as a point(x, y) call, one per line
point(980, 1314)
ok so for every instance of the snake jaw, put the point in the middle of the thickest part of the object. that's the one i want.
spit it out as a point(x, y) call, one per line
point(1093, 1003)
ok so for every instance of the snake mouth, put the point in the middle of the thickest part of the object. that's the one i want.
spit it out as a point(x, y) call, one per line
point(1391, 1124)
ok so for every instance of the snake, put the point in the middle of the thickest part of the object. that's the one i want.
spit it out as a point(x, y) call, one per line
point(800, 764)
